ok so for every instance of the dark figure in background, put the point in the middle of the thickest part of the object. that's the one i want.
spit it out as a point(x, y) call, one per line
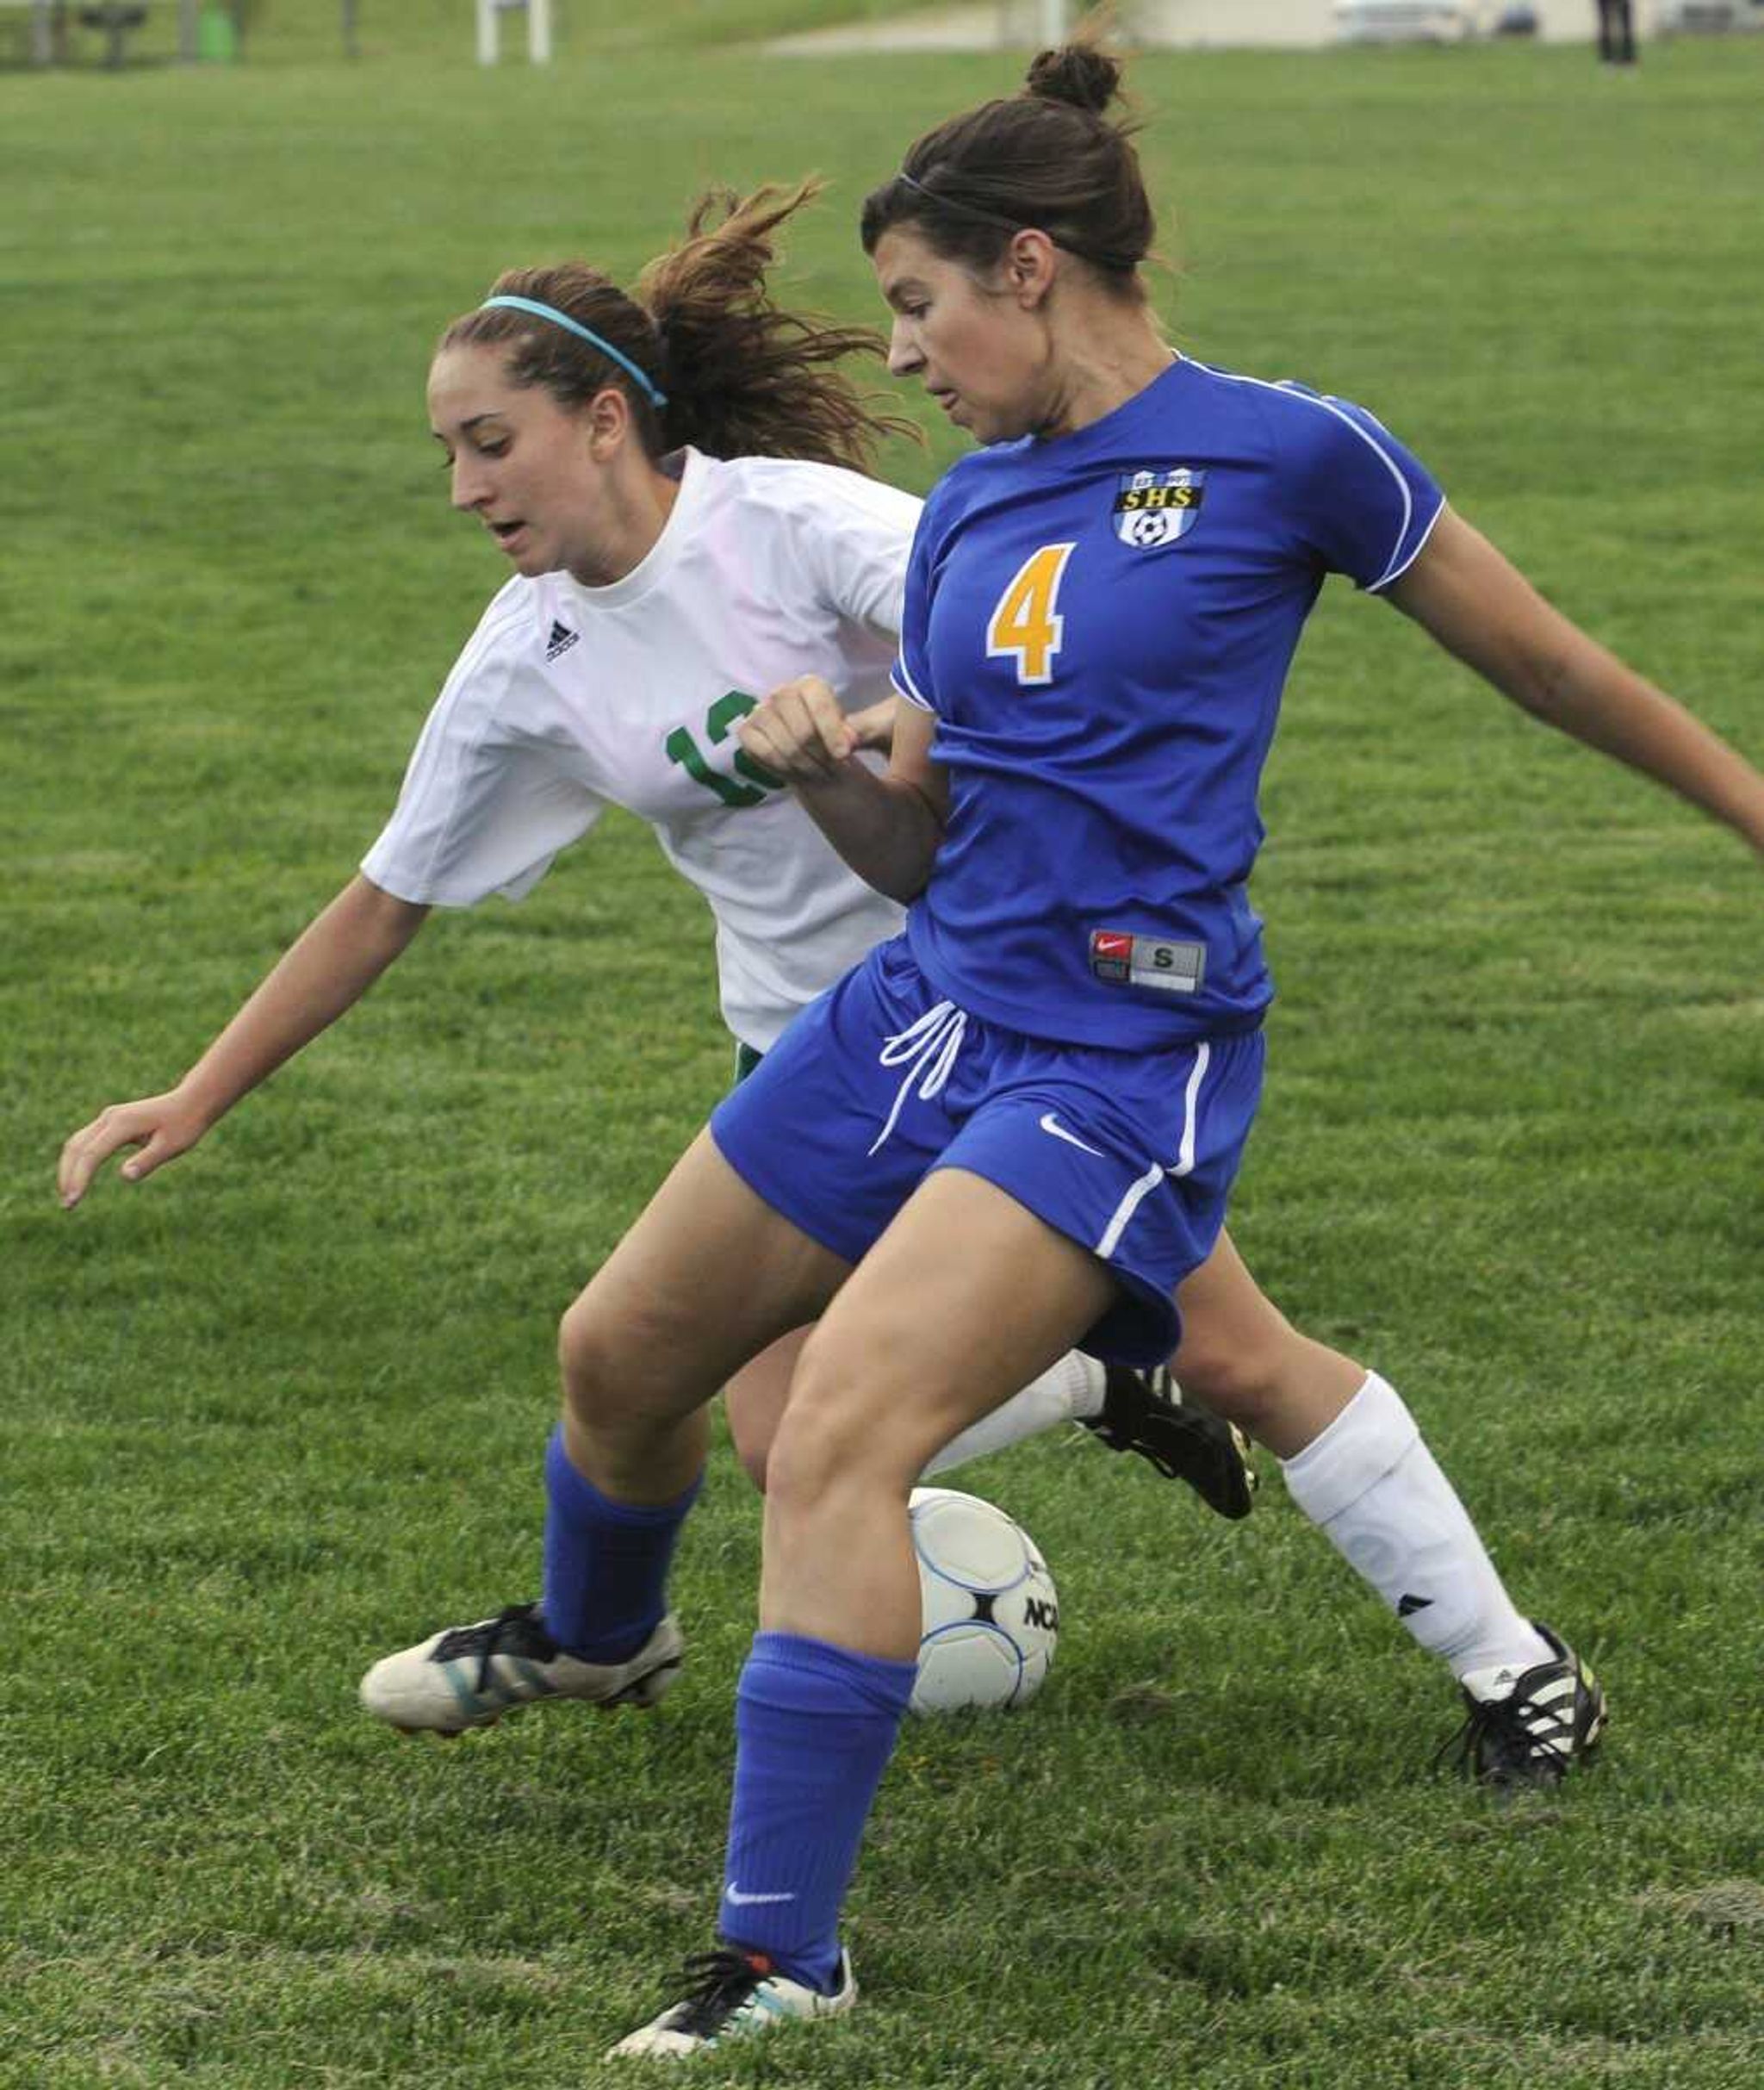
point(1617, 33)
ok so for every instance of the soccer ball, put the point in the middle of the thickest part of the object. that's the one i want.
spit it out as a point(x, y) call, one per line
point(991, 1613)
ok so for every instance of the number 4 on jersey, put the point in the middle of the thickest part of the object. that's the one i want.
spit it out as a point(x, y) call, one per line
point(1027, 622)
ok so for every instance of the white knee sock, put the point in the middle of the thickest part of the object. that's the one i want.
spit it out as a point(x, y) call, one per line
point(1065, 1392)
point(1374, 1489)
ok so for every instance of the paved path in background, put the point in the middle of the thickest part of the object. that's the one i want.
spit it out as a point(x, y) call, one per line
point(1172, 24)
point(943, 28)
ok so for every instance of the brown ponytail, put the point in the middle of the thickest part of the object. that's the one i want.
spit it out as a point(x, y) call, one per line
point(741, 377)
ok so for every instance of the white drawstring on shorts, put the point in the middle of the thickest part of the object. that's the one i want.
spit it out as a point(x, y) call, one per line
point(929, 1046)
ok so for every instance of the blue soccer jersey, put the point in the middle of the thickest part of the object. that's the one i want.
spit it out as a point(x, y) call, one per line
point(1102, 624)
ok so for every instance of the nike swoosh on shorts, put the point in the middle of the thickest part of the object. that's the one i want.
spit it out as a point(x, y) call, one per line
point(1049, 1122)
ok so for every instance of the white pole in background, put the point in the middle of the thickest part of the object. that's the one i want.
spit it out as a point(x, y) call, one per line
point(538, 29)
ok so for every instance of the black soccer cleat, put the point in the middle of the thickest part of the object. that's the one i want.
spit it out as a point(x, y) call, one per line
point(1532, 1733)
point(1143, 1412)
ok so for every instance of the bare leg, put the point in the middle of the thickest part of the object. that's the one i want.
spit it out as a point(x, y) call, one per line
point(707, 1278)
point(1071, 1389)
point(1241, 1356)
point(996, 1296)
point(1186, 1442)
point(754, 1399)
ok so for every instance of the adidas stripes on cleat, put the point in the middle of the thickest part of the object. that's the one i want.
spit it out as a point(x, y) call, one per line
point(730, 1993)
point(470, 1675)
point(1527, 1728)
point(1143, 1412)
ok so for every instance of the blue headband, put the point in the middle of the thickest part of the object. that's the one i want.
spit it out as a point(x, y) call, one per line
point(657, 396)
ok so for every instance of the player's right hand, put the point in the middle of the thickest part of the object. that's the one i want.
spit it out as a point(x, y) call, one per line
point(800, 733)
point(163, 1127)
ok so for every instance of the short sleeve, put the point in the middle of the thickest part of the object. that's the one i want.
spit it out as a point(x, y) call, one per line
point(484, 808)
point(911, 675)
point(860, 530)
point(1364, 505)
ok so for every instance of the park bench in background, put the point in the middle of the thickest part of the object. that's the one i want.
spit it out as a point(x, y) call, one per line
point(44, 28)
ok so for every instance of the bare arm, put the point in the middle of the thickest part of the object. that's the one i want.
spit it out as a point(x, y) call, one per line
point(334, 962)
point(1482, 609)
point(886, 828)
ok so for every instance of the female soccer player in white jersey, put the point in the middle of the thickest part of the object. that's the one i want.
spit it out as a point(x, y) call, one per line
point(1022, 1119)
point(675, 479)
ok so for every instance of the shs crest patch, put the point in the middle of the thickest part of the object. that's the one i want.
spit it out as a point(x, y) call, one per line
point(1157, 508)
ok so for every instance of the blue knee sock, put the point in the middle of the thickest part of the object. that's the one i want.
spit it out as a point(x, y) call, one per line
point(815, 1726)
point(606, 1562)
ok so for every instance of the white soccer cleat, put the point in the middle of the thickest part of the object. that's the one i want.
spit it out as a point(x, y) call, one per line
point(470, 1675)
point(729, 1995)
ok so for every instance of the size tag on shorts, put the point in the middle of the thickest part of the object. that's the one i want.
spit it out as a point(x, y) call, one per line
point(1129, 960)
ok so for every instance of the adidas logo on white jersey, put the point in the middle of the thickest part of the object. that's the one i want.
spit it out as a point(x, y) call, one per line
point(562, 639)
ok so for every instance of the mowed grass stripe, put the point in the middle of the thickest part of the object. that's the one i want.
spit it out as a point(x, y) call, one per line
point(279, 1410)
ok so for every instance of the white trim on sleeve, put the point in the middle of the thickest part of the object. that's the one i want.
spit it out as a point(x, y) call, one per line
point(903, 686)
point(1290, 388)
point(1396, 573)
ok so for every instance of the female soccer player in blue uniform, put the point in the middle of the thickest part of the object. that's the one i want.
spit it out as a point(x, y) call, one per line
point(677, 479)
point(1024, 1116)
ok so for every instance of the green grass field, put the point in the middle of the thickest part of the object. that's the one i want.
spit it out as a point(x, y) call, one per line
point(303, 32)
point(279, 1410)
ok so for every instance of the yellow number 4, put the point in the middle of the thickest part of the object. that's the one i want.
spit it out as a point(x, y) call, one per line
point(1025, 622)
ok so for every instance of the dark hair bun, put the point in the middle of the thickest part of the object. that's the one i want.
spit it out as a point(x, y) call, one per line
point(1084, 78)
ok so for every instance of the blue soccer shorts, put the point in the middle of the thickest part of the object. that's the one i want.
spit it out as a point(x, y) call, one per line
point(881, 1080)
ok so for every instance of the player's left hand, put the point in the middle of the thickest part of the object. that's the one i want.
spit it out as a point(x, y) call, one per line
point(800, 733)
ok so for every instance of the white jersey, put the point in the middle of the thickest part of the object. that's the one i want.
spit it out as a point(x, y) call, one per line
point(570, 699)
